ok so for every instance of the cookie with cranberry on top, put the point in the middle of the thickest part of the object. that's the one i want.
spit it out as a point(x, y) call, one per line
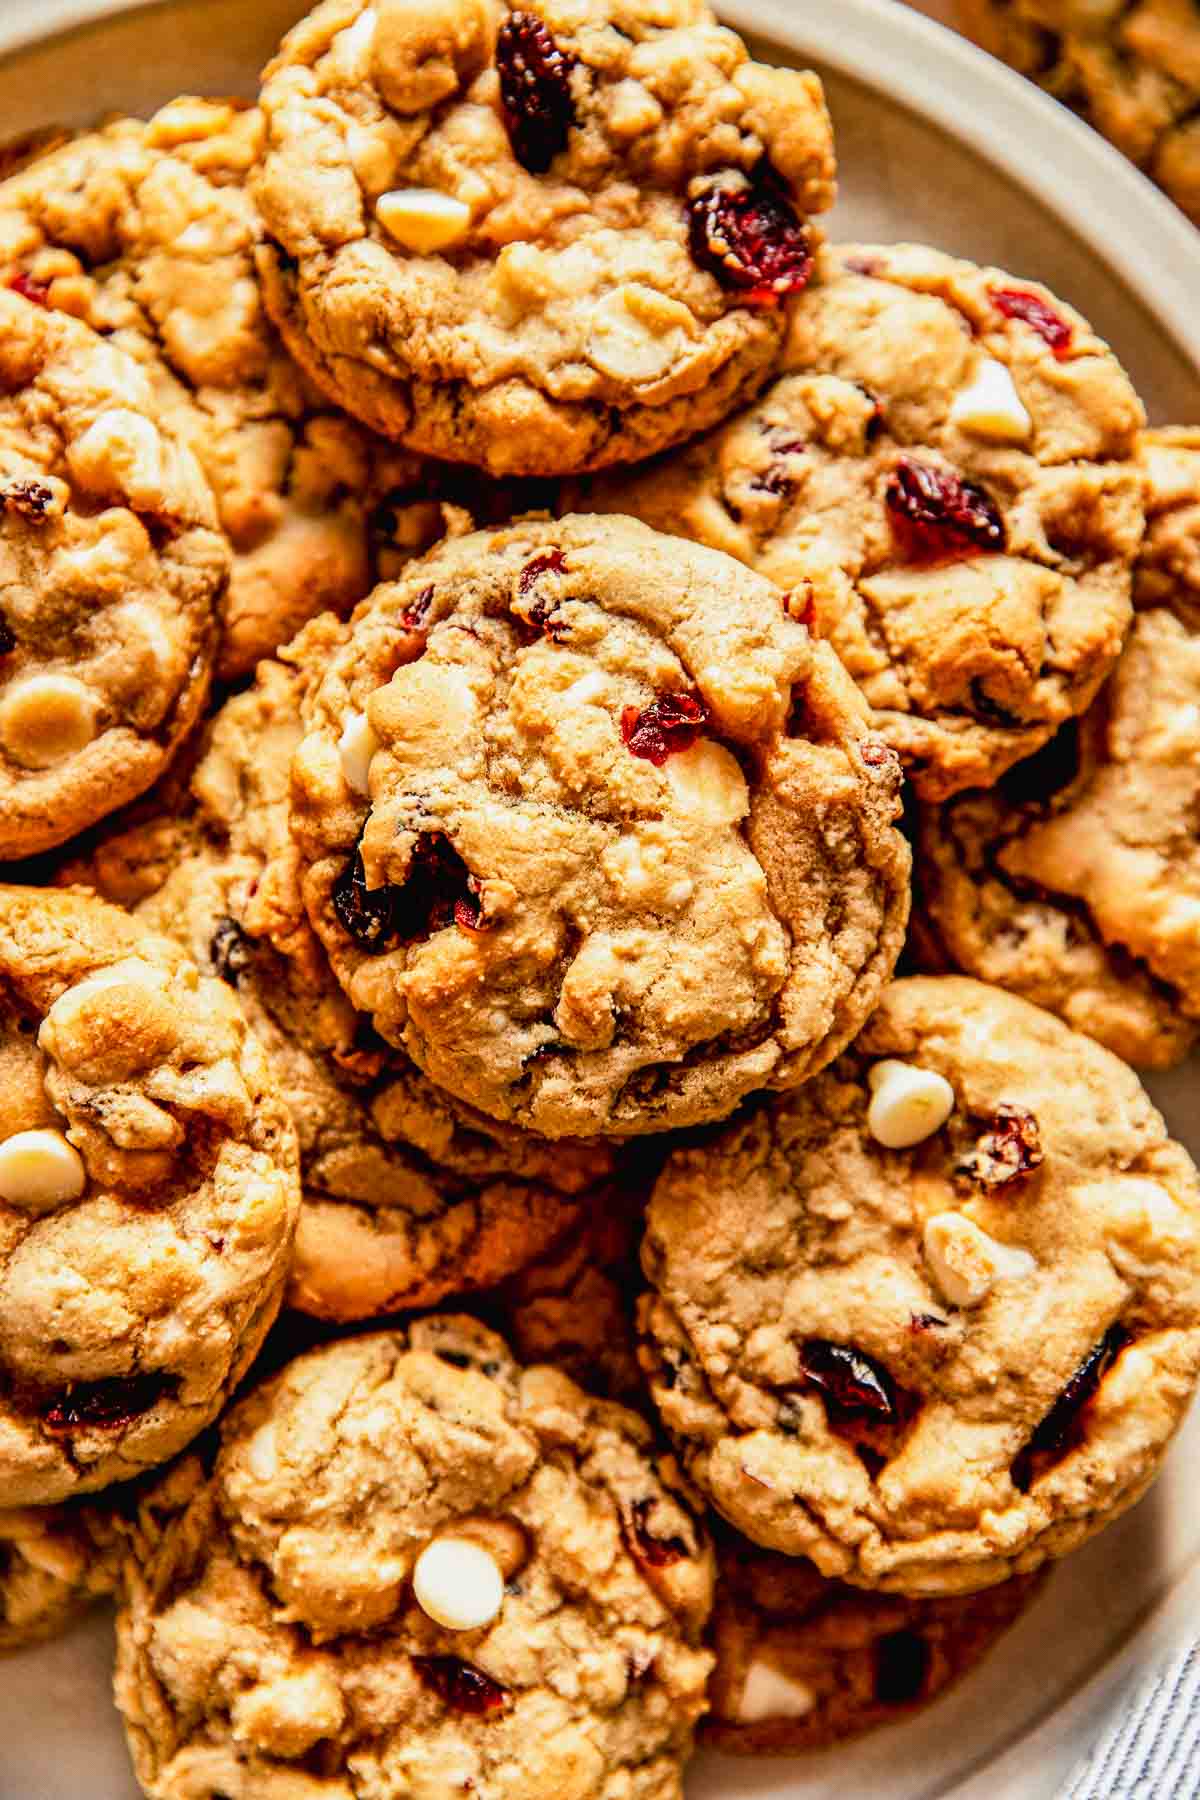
point(538, 238)
point(934, 1318)
point(596, 831)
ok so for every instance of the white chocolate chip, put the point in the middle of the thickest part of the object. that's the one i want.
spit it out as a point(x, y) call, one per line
point(46, 718)
point(39, 1170)
point(769, 1695)
point(636, 334)
point(356, 746)
point(587, 690)
point(121, 452)
point(990, 406)
point(1144, 1215)
point(422, 219)
point(707, 783)
point(908, 1104)
point(262, 1453)
point(458, 1583)
point(966, 1263)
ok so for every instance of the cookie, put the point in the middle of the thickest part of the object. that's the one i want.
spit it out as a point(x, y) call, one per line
point(1133, 71)
point(1076, 882)
point(146, 231)
point(417, 1568)
point(407, 1196)
point(595, 831)
point(148, 1194)
point(803, 1662)
point(539, 239)
point(935, 1317)
point(111, 570)
point(575, 1305)
point(55, 1562)
point(944, 477)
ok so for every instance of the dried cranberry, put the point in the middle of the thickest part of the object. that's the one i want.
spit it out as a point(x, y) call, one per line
point(659, 1553)
point(29, 289)
point(440, 890)
point(848, 1379)
point(29, 499)
point(1009, 1151)
point(936, 514)
point(229, 950)
point(105, 1405)
point(1051, 327)
point(877, 755)
point(538, 609)
point(1061, 1428)
point(668, 725)
point(751, 240)
point(922, 1322)
point(535, 91)
point(414, 617)
point(902, 1663)
point(461, 1685)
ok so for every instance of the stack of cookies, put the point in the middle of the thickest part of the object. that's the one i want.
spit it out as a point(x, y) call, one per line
point(497, 1274)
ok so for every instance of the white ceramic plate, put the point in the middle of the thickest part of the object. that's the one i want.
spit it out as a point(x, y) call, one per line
point(936, 143)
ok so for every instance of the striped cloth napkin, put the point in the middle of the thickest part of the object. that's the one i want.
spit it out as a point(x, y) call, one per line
point(1151, 1751)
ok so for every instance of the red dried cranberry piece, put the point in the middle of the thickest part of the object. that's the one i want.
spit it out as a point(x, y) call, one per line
point(31, 500)
point(539, 610)
point(922, 1322)
point(659, 1553)
point(535, 91)
point(229, 950)
point(440, 890)
point(105, 1405)
point(668, 725)
point(414, 617)
point(849, 1380)
point(1051, 327)
point(936, 514)
point(902, 1664)
point(752, 240)
point(1062, 1427)
point(461, 1685)
point(878, 755)
point(29, 289)
point(1009, 1151)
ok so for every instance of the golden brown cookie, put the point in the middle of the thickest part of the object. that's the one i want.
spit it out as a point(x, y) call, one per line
point(417, 1567)
point(55, 1562)
point(803, 1662)
point(935, 1317)
point(111, 571)
point(595, 830)
point(539, 238)
point(1076, 882)
point(944, 476)
point(148, 1195)
point(1130, 67)
point(146, 231)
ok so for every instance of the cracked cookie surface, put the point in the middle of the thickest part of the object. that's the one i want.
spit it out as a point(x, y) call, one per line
point(1076, 882)
point(111, 571)
point(537, 239)
point(270, 1618)
point(408, 1196)
point(595, 831)
point(148, 1194)
point(803, 1662)
point(1131, 67)
point(930, 1368)
point(944, 475)
point(146, 231)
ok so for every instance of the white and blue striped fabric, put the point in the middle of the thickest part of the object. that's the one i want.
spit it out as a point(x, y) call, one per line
point(1152, 1749)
